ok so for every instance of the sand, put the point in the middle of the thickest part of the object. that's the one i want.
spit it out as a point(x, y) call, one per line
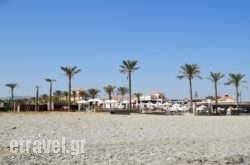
point(129, 139)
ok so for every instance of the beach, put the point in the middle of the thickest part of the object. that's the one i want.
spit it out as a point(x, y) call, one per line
point(129, 139)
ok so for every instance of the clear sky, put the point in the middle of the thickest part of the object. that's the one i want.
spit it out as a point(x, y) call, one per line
point(37, 37)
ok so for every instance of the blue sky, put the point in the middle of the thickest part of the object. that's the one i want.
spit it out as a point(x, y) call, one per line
point(38, 37)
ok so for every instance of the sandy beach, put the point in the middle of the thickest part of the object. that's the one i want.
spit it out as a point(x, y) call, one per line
point(129, 139)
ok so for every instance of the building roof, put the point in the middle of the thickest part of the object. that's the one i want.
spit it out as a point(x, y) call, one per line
point(226, 98)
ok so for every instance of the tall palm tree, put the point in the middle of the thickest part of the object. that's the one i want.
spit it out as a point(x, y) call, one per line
point(190, 71)
point(236, 80)
point(109, 90)
point(93, 93)
point(214, 78)
point(70, 72)
point(50, 81)
point(128, 67)
point(122, 91)
point(12, 86)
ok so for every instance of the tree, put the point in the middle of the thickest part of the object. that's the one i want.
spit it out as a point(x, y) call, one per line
point(50, 81)
point(12, 86)
point(214, 78)
point(236, 80)
point(83, 94)
point(210, 97)
point(122, 91)
point(128, 67)
point(93, 93)
point(190, 71)
point(70, 72)
point(37, 95)
point(66, 95)
point(74, 95)
point(109, 90)
point(138, 95)
point(57, 95)
point(44, 98)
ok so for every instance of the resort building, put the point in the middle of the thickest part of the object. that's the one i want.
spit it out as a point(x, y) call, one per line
point(77, 94)
point(154, 97)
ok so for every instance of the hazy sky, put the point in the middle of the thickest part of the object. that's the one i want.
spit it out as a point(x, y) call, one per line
point(37, 37)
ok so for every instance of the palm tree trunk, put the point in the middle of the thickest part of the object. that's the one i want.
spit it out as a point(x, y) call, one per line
point(191, 95)
point(36, 108)
point(74, 96)
point(237, 98)
point(216, 95)
point(12, 99)
point(130, 91)
point(138, 101)
point(50, 93)
point(69, 100)
point(122, 97)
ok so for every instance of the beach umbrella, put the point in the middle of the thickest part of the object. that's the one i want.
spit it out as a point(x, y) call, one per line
point(125, 102)
point(111, 101)
point(167, 104)
point(185, 108)
point(81, 102)
point(94, 100)
point(176, 105)
point(97, 100)
point(202, 108)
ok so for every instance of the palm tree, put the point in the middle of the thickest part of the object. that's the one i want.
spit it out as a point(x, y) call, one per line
point(236, 80)
point(138, 95)
point(109, 90)
point(214, 78)
point(12, 86)
point(66, 95)
point(122, 91)
point(211, 97)
point(128, 67)
point(70, 72)
point(74, 95)
point(33, 100)
point(57, 95)
point(44, 98)
point(50, 81)
point(37, 95)
point(93, 93)
point(190, 71)
point(83, 94)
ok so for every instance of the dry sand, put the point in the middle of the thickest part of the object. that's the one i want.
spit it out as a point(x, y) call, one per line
point(129, 139)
